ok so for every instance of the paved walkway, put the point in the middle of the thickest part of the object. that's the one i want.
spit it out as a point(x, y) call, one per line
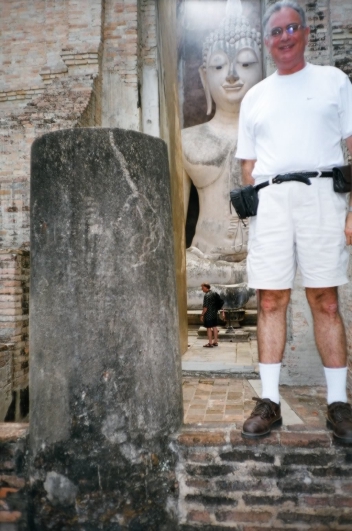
point(229, 400)
point(226, 358)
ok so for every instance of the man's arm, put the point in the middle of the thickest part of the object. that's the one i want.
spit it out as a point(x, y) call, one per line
point(203, 313)
point(247, 167)
point(349, 144)
point(348, 226)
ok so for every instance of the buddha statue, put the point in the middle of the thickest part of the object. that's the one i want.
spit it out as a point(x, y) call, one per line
point(231, 66)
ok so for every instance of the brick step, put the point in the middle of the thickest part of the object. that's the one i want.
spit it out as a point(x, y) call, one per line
point(294, 479)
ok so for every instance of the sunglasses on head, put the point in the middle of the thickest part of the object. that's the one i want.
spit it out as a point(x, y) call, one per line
point(290, 30)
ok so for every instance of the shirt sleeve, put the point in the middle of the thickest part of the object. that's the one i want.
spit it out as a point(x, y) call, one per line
point(246, 142)
point(346, 108)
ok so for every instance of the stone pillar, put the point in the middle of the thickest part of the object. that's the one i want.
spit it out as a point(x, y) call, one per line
point(105, 375)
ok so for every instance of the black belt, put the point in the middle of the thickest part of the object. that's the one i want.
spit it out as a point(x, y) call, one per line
point(302, 177)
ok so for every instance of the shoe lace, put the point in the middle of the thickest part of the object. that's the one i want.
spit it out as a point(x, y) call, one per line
point(342, 412)
point(263, 408)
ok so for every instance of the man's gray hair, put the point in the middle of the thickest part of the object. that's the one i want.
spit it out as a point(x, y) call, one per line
point(280, 5)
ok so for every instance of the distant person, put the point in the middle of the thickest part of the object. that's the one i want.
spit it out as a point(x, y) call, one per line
point(210, 315)
point(293, 122)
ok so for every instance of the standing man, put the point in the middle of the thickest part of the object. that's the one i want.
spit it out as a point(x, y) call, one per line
point(294, 121)
point(210, 315)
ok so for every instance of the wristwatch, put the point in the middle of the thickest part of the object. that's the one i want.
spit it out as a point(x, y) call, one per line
point(350, 209)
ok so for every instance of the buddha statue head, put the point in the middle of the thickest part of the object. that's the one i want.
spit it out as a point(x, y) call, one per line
point(231, 60)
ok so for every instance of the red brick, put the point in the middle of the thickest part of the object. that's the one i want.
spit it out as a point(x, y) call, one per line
point(236, 439)
point(6, 516)
point(199, 438)
point(346, 486)
point(12, 481)
point(199, 457)
point(242, 516)
point(198, 516)
point(7, 465)
point(327, 501)
point(255, 528)
point(306, 440)
point(5, 490)
point(198, 483)
point(270, 528)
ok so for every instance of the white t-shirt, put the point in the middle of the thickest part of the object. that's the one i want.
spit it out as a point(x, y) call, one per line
point(296, 122)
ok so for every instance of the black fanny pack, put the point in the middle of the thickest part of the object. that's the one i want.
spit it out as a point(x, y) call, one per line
point(342, 177)
point(245, 200)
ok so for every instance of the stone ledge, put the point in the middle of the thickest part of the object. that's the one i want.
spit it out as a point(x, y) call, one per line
point(292, 436)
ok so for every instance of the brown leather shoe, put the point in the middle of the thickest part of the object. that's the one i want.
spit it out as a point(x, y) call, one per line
point(339, 419)
point(265, 414)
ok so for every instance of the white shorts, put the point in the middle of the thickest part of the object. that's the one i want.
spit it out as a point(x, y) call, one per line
point(298, 225)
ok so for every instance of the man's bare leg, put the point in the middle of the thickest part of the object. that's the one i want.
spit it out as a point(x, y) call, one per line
point(210, 336)
point(215, 330)
point(329, 329)
point(330, 338)
point(271, 328)
point(272, 308)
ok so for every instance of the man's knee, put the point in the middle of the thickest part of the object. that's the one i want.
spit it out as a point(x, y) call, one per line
point(271, 301)
point(324, 300)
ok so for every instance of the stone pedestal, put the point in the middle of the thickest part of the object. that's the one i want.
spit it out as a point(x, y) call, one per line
point(105, 377)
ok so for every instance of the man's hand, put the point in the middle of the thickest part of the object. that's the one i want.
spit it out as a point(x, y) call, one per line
point(348, 229)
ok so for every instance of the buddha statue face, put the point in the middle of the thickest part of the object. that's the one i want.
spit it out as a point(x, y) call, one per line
point(231, 63)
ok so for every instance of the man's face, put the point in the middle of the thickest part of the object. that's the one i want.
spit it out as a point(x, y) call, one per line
point(286, 50)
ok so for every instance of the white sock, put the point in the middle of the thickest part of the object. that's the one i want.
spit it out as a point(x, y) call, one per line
point(336, 381)
point(270, 376)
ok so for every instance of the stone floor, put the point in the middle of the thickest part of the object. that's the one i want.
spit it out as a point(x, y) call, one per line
point(229, 400)
point(228, 357)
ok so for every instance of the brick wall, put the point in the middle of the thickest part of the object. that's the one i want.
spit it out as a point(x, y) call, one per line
point(294, 480)
point(51, 60)
point(341, 35)
point(121, 103)
point(14, 353)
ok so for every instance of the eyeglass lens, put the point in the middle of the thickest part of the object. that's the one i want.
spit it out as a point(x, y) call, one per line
point(290, 29)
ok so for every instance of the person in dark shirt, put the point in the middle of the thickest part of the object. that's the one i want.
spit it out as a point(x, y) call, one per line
point(210, 315)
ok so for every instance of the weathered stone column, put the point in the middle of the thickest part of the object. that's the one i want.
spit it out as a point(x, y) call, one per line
point(105, 376)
